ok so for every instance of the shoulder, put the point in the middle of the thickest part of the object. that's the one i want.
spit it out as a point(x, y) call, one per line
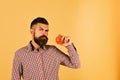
point(50, 46)
point(53, 48)
point(21, 50)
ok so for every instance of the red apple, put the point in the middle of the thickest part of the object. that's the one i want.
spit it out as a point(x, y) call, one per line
point(59, 39)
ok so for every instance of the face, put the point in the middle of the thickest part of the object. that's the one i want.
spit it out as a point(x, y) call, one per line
point(40, 33)
point(40, 29)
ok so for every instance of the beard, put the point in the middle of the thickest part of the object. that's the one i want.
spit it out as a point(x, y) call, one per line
point(41, 41)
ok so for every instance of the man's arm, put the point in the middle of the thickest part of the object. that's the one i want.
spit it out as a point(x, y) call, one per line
point(16, 68)
point(71, 60)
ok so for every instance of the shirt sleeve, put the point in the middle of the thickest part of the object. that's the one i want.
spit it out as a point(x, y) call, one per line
point(16, 68)
point(71, 60)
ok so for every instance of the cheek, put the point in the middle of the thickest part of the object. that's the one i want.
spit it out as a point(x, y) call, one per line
point(38, 33)
point(46, 34)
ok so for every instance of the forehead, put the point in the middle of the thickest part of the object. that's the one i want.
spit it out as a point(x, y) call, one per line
point(40, 25)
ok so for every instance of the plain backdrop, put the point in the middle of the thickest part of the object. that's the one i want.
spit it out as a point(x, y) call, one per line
point(93, 25)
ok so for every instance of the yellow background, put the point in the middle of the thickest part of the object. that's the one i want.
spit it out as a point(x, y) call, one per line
point(94, 26)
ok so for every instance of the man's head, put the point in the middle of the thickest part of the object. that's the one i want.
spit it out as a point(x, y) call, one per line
point(39, 30)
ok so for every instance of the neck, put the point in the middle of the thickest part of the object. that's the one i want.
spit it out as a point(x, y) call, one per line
point(35, 45)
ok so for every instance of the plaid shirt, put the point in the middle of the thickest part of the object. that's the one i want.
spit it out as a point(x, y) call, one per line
point(43, 64)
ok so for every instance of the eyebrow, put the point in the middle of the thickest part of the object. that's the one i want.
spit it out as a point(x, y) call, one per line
point(43, 29)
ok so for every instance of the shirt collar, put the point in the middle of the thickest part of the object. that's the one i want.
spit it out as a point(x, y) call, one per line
point(31, 47)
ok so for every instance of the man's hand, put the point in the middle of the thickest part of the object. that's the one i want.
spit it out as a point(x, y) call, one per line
point(67, 41)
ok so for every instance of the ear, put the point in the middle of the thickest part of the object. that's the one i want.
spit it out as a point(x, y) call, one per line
point(32, 31)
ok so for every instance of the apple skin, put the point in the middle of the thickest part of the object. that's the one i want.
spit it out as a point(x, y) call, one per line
point(59, 39)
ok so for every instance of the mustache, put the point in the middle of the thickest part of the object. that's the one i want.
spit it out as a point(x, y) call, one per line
point(41, 41)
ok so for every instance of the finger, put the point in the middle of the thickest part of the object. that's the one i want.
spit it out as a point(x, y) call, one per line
point(67, 39)
point(63, 38)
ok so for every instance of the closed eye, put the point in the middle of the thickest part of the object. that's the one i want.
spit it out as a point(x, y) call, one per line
point(46, 30)
point(40, 29)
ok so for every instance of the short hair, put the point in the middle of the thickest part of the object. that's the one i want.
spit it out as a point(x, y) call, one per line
point(39, 20)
